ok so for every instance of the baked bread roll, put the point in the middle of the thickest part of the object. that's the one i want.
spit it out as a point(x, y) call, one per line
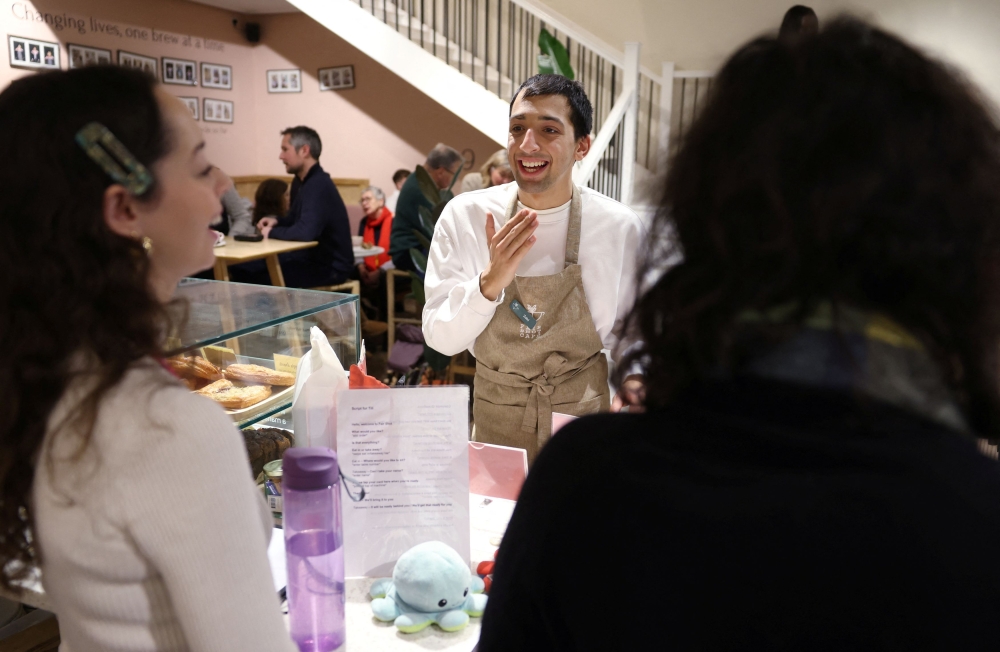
point(254, 373)
point(194, 367)
point(217, 386)
point(232, 397)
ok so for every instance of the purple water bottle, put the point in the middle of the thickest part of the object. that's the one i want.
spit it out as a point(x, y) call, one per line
point(314, 548)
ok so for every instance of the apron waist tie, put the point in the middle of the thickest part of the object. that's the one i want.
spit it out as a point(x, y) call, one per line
point(538, 411)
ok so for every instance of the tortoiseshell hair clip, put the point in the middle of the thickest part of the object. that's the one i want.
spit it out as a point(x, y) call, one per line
point(114, 158)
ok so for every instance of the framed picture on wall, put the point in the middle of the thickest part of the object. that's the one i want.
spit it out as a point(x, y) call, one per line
point(192, 105)
point(180, 71)
point(215, 75)
point(132, 60)
point(32, 54)
point(336, 79)
point(284, 81)
point(217, 111)
point(84, 55)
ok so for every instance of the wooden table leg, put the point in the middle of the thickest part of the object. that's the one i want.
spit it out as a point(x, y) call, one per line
point(221, 270)
point(274, 269)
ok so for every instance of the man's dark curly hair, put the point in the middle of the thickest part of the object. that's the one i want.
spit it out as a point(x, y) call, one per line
point(848, 168)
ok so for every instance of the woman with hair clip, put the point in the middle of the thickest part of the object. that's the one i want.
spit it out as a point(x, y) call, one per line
point(821, 370)
point(132, 494)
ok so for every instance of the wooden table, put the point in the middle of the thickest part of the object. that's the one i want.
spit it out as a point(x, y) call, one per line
point(234, 252)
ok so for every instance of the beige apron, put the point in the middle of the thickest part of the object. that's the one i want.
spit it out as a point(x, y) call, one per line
point(524, 374)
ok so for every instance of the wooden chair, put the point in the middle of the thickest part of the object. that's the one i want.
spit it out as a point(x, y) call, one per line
point(462, 364)
point(347, 287)
point(391, 318)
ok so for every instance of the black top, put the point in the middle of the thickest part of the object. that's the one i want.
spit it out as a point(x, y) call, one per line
point(753, 515)
point(317, 213)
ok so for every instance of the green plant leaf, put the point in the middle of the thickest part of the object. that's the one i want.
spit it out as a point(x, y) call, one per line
point(427, 186)
point(419, 260)
point(451, 185)
point(423, 239)
point(417, 288)
point(427, 220)
point(554, 59)
point(436, 360)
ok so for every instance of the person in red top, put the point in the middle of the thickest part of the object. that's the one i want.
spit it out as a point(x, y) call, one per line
point(375, 228)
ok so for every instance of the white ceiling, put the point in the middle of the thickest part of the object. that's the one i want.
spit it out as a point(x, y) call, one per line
point(251, 6)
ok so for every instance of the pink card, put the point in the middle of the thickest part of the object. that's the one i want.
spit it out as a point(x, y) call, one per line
point(496, 471)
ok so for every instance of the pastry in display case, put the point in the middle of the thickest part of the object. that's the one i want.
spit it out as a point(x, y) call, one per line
point(240, 344)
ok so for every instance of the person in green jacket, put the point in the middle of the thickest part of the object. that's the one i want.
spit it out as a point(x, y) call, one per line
point(440, 168)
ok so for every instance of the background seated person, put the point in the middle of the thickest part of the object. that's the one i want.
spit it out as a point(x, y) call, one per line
point(316, 212)
point(442, 164)
point(820, 367)
point(398, 178)
point(375, 228)
point(235, 217)
point(270, 200)
point(495, 172)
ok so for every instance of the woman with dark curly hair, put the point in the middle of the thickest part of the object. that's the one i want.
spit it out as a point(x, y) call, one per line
point(131, 494)
point(820, 367)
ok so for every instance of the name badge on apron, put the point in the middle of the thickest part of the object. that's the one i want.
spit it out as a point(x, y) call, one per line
point(523, 314)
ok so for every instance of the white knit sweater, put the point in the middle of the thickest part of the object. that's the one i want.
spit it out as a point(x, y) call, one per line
point(156, 539)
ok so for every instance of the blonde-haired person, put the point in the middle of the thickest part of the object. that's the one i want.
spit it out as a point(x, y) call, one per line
point(132, 494)
point(495, 172)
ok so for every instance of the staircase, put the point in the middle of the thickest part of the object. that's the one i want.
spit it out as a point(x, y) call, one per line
point(471, 55)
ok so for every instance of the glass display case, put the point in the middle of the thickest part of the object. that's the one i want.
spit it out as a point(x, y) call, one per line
point(223, 324)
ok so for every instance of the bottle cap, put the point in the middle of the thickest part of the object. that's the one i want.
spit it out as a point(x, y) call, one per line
point(308, 469)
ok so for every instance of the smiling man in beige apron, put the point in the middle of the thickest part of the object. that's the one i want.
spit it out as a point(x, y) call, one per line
point(535, 277)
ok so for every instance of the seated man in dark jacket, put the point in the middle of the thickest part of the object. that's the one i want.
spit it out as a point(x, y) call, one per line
point(316, 212)
point(821, 379)
point(442, 165)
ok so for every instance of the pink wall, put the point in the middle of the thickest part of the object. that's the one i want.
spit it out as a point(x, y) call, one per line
point(368, 132)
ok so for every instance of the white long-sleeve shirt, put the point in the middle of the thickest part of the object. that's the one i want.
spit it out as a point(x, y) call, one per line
point(156, 539)
point(456, 312)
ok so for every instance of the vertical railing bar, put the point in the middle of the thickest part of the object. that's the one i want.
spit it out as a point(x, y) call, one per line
point(475, 39)
point(459, 31)
point(510, 42)
point(613, 164)
point(680, 125)
point(597, 89)
point(486, 45)
point(590, 66)
point(527, 44)
point(524, 27)
point(499, 63)
point(447, 46)
point(649, 123)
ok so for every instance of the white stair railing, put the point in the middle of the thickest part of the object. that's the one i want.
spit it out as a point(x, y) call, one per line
point(614, 147)
point(490, 47)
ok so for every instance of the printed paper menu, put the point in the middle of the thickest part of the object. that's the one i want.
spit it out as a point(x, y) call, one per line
point(409, 448)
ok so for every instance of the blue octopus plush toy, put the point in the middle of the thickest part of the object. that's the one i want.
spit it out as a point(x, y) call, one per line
point(431, 583)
